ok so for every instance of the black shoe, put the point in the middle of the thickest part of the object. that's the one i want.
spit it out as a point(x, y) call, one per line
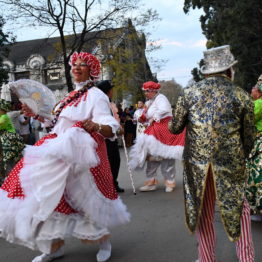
point(120, 190)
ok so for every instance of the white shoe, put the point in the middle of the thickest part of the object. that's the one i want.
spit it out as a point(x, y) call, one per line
point(169, 189)
point(147, 188)
point(104, 252)
point(50, 257)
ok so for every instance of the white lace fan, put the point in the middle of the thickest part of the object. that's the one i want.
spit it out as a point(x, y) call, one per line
point(35, 95)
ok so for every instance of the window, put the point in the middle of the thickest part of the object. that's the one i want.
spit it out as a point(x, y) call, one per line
point(53, 75)
point(22, 75)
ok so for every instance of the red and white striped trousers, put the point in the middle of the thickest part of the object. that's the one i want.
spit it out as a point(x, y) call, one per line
point(206, 234)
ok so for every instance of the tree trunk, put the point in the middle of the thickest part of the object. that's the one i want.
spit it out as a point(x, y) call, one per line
point(68, 78)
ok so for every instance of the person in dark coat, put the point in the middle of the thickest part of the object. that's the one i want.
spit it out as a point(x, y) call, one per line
point(112, 145)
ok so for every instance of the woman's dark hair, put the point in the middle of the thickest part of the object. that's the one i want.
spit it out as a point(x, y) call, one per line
point(104, 86)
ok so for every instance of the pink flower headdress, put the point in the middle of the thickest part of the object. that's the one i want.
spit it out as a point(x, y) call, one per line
point(90, 60)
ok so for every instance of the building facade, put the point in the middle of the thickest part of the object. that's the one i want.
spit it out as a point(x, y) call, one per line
point(41, 60)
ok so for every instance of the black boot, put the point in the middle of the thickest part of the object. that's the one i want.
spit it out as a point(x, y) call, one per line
point(119, 189)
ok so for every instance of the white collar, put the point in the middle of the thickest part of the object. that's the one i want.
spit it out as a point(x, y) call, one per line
point(81, 84)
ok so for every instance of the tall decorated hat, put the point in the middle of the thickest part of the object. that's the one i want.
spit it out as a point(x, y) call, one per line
point(217, 60)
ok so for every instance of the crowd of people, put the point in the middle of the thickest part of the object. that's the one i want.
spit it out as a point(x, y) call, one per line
point(129, 122)
point(66, 184)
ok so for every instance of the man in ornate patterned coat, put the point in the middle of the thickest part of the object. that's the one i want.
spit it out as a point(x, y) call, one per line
point(219, 120)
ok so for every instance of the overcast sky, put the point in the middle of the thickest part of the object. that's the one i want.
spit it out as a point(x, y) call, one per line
point(179, 34)
point(181, 38)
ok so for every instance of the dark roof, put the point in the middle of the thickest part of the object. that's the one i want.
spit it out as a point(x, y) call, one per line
point(47, 47)
point(21, 51)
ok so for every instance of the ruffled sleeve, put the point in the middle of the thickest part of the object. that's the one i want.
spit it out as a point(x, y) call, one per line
point(102, 114)
point(163, 108)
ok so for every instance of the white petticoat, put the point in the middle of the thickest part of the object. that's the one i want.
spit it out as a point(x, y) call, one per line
point(49, 171)
point(148, 145)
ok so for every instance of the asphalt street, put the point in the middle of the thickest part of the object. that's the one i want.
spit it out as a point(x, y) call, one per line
point(156, 233)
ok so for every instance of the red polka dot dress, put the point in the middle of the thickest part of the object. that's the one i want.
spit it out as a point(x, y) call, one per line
point(157, 140)
point(63, 186)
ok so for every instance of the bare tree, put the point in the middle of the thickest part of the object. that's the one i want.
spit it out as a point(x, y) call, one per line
point(171, 89)
point(77, 21)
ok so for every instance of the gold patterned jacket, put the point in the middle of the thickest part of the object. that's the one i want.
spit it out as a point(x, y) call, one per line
point(220, 131)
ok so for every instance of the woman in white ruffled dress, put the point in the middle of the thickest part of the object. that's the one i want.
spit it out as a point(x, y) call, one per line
point(156, 145)
point(63, 186)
